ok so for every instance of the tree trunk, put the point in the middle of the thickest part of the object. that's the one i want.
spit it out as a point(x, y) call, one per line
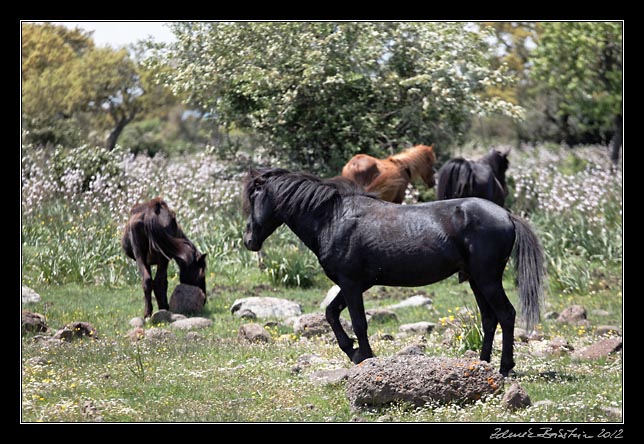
point(616, 141)
point(116, 132)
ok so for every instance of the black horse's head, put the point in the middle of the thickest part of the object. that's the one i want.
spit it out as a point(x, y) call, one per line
point(259, 206)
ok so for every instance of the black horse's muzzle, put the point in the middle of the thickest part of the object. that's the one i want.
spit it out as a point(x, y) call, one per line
point(250, 243)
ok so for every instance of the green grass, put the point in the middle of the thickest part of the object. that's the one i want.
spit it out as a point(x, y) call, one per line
point(219, 378)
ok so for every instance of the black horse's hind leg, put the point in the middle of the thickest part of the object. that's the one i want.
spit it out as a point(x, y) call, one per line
point(489, 321)
point(333, 318)
point(359, 323)
point(505, 313)
point(161, 284)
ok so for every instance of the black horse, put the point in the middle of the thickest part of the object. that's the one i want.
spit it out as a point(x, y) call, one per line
point(484, 178)
point(153, 237)
point(361, 241)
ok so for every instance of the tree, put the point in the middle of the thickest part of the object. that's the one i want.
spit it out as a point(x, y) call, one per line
point(68, 82)
point(320, 92)
point(579, 68)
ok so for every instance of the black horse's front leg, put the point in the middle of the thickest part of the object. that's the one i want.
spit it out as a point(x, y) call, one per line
point(332, 314)
point(359, 322)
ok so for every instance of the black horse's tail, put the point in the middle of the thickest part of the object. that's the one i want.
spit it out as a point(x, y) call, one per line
point(164, 234)
point(530, 271)
point(454, 179)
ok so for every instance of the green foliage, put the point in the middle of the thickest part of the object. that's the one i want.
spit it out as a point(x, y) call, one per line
point(73, 91)
point(291, 267)
point(577, 66)
point(321, 92)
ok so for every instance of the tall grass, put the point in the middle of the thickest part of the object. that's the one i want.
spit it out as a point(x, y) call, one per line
point(75, 203)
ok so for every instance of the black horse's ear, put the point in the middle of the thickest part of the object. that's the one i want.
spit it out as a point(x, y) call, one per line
point(252, 172)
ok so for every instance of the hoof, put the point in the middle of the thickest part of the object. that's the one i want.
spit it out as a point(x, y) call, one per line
point(358, 357)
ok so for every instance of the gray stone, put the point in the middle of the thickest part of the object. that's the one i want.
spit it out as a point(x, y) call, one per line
point(520, 335)
point(191, 323)
point(76, 330)
point(136, 334)
point(32, 322)
point(254, 333)
point(420, 379)
point(422, 327)
point(380, 315)
point(575, 315)
point(161, 317)
point(600, 349)
point(187, 299)
point(608, 330)
point(612, 412)
point(330, 295)
point(413, 301)
point(137, 322)
point(515, 398)
point(470, 354)
point(382, 337)
point(315, 324)
point(415, 349)
point(557, 346)
point(328, 377)
point(267, 307)
point(246, 314)
point(29, 296)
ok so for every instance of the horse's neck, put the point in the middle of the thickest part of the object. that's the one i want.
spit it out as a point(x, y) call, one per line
point(494, 164)
point(414, 163)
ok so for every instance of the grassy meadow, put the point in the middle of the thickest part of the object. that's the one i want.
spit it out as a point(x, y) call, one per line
point(76, 201)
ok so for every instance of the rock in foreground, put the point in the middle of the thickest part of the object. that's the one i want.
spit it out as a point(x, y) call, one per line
point(420, 379)
point(266, 307)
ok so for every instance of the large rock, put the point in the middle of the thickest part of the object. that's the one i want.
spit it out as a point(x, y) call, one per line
point(266, 307)
point(575, 314)
point(32, 322)
point(419, 379)
point(187, 300)
point(29, 296)
point(599, 349)
point(415, 301)
point(315, 324)
point(191, 323)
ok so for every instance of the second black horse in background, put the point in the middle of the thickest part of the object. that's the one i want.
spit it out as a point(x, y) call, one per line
point(484, 178)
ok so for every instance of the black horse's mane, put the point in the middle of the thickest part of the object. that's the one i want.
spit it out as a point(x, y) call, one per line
point(297, 192)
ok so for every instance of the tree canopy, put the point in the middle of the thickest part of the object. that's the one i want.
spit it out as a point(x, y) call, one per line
point(321, 92)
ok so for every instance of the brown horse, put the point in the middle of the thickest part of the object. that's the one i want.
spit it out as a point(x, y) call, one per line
point(388, 178)
point(153, 237)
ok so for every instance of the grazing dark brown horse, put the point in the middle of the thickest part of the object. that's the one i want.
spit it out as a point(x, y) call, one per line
point(388, 178)
point(361, 241)
point(153, 237)
point(484, 178)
